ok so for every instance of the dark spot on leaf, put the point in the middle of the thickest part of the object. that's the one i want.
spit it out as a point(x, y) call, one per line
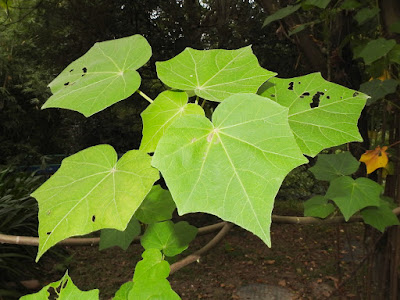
point(67, 83)
point(356, 94)
point(71, 70)
point(48, 233)
point(290, 88)
point(93, 218)
point(304, 94)
point(65, 284)
point(328, 97)
point(299, 82)
point(83, 75)
point(316, 99)
point(84, 70)
point(272, 95)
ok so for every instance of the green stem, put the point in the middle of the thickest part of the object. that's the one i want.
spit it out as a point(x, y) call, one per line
point(145, 96)
point(197, 100)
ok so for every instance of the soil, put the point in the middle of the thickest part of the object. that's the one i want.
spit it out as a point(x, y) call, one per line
point(309, 260)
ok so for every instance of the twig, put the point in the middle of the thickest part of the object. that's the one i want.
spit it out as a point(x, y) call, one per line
point(145, 96)
point(196, 255)
point(34, 241)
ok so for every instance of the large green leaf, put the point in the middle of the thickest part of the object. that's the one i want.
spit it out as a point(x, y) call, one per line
point(374, 50)
point(365, 14)
point(166, 108)
point(92, 191)
point(352, 195)
point(214, 74)
point(321, 114)
point(380, 217)
point(103, 76)
point(64, 289)
point(168, 237)
point(232, 167)
point(123, 291)
point(281, 13)
point(113, 237)
point(157, 206)
point(318, 206)
point(331, 166)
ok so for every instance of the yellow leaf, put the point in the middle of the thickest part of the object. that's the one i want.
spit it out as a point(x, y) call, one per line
point(375, 159)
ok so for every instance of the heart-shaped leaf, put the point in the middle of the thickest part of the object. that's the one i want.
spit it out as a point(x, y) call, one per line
point(214, 74)
point(321, 114)
point(318, 206)
point(113, 237)
point(157, 206)
point(103, 76)
point(168, 237)
point(331, 166)
point(380, 216)
point(374, 50)
point(352, 195)
point(166, 108)
point(378, 89)
point(232, 167)
point(91, 191)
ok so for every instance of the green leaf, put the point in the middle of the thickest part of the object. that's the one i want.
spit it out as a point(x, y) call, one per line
point(352, 195)
point(350, 4)
point(158, 116)
point(394, 54)
point(123, 292)
point(168, 237)
point(299, 28)
point(153, 289)
point(365, 14)
point(64, 289)
point(380, 217)
point(214, 74)
point(151, 267)
point(157, 206)
point(103, 76)
point(281, 13)
point(318, 3)
point(112, 237)
point(331, 166)
point(232, 167)
point(91, 191)
point(319, 207)
point(321, 114)
point(395, 27)
point(374, 50)
point(378, 89)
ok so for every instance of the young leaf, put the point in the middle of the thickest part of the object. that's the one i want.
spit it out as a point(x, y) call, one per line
point(64, 289)
point(374, 50)
point(103, 76)
point(375, 159)
point(232, 167)
point(380, 217)
point(166, 108)
point(123, 292)
point(157, 206)
point(318, 206)
point(331, 166)
point(281, 13)
point(214, 74)
point(149, 280)
point(321, 114)
point(91, 191)
point(352, 195)
point(365, 14)
point(168, 237)
point(112, 237)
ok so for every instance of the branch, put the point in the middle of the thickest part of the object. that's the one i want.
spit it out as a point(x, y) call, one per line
point(196, 255)
point(34, 241)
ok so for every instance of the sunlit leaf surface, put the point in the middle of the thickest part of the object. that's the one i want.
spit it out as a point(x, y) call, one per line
point(214, 74)
point(103, 76)
point(91, 191)
point(232, 167)
point(321, 114)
